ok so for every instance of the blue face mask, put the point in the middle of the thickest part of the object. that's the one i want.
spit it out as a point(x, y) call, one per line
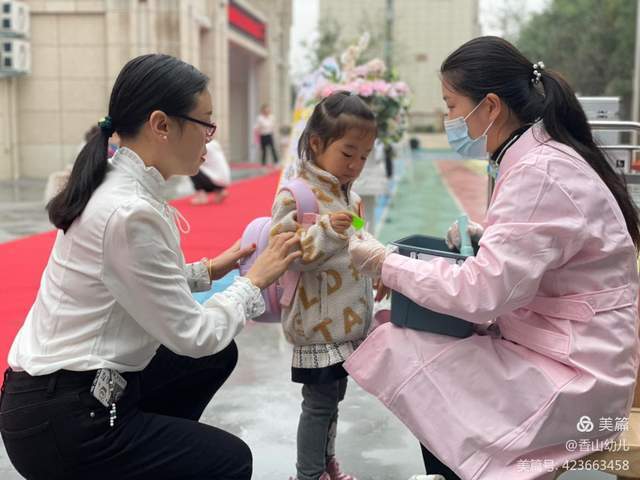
point(459, 139)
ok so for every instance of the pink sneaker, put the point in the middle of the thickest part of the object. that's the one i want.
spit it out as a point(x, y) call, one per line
point(334, 473)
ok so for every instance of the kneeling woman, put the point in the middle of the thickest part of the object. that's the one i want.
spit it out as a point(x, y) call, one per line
point(116, 361)
point(556, 270)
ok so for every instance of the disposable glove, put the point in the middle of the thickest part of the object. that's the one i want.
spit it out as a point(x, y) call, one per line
point(367, 254)
point(453, 234)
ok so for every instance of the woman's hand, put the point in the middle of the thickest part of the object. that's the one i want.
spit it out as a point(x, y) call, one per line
point(282, 249)
point(367, 254)
point(228, 260)
point(340, 221)
point(453, 234)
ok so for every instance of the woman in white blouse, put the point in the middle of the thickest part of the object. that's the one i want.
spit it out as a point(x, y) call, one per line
point(115, 306)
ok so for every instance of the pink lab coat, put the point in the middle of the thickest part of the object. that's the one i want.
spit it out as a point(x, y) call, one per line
point(557, 272)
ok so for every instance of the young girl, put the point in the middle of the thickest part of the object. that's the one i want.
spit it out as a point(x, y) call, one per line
point(331, 310)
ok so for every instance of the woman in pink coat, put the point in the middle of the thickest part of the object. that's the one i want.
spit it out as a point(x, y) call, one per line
point(555, 271)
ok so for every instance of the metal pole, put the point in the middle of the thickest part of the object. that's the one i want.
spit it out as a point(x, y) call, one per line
point(13, 128)
point(388, 60)
point(635, 102)
point(388, 36)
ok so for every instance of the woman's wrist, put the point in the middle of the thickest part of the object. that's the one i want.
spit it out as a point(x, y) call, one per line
point(208, 264)
point(255, 281)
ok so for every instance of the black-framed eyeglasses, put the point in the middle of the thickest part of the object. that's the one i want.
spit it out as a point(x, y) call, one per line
point(211, 127)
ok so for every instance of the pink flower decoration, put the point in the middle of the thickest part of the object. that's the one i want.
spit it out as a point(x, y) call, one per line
point(329, 89)
point(381, 87)
point(366, 89)
point(360, 71)
point(401, 87)
point(354, 86)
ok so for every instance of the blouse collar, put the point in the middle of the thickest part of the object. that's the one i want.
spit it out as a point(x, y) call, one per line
point(151, 179)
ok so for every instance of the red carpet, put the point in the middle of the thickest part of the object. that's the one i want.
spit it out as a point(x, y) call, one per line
point(213, 228)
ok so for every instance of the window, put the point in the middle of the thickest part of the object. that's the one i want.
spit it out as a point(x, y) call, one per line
point(6, 23)
point(6, 8)
point(6, 47)
point(7, 62)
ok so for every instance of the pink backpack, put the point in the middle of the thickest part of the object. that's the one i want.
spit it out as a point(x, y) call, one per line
point(281, 292)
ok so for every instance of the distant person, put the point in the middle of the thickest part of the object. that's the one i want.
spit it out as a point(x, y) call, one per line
point(113, 145)
point(89, 134)
point(214, 176)
point(58, 179)
point(264, 129)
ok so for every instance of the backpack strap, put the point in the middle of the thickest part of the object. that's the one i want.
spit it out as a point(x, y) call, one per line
point(306, 214)
point(306, 202)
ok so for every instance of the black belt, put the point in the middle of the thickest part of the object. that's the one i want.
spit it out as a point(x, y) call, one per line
point(15, 382)
point(22, 381)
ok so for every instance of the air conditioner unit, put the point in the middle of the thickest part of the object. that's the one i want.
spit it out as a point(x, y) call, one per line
point(15, 57)
point(14, 19)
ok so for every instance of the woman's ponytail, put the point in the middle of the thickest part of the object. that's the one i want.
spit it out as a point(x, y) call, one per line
point(86, 176)
point(565, 121)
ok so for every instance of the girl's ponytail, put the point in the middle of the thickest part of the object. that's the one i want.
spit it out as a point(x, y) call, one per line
point(87, 174)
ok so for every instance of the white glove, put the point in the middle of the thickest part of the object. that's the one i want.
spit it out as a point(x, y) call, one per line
point(367, 254)
point(453, 234)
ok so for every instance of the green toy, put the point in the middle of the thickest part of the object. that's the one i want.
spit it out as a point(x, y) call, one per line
point(357, 222)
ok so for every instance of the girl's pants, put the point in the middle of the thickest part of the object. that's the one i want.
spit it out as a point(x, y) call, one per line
point(317, 427)
point(53, 428)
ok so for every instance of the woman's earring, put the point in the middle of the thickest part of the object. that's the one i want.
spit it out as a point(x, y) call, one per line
point(164, 137)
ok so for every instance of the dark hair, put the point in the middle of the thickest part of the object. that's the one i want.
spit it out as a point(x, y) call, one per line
point(92, 132)
point(145, 84)
point(332, 117)
point(492, 65)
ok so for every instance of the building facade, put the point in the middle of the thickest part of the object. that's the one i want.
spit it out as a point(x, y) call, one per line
point(79, 46)
point(424, 33)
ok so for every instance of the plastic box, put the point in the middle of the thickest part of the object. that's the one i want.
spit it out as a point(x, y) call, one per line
point(406, 313)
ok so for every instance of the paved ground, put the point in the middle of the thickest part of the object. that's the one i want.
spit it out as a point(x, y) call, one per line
point(259, 403)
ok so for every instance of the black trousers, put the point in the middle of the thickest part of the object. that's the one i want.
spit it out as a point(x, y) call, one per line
point(54, 429)
point(202, 182)
point(267, 141)
point(433, 465)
